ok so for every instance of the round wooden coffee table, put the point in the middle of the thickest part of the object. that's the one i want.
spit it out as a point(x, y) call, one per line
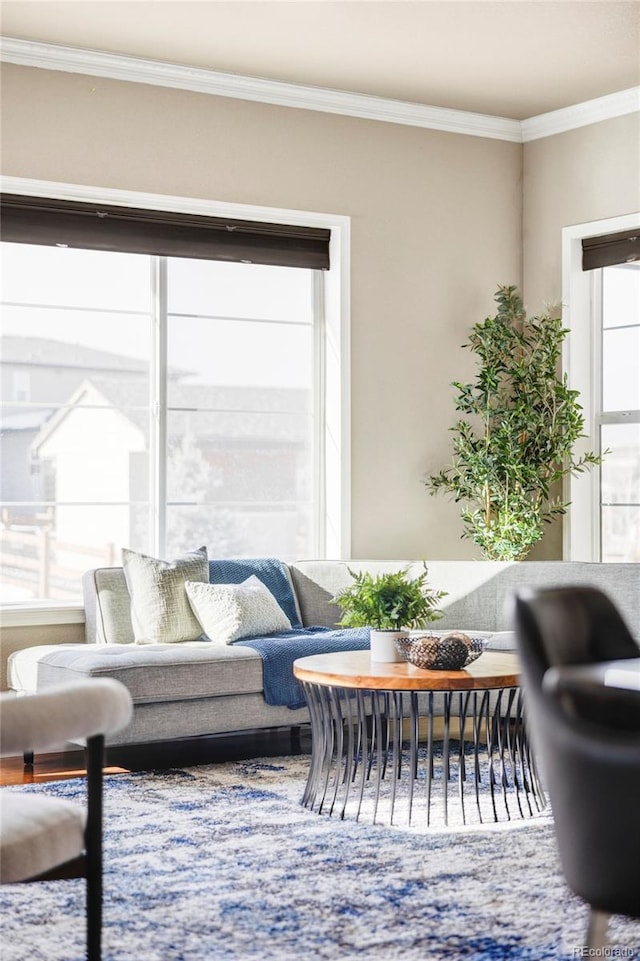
point(384, 732)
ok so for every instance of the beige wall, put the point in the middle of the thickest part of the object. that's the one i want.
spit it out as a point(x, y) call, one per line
point(587, 174)
point(18, 638)
point(436, 222)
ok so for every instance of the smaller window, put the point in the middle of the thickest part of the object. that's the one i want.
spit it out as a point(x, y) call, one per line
point(618, 416)
point(601, 297)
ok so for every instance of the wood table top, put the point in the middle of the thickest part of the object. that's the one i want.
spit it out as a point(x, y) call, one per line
point(355, 669)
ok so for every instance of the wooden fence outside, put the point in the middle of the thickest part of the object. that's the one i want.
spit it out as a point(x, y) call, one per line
point(36, 561)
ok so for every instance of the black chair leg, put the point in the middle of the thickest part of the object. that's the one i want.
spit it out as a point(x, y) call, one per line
point(95, 764)
point(27, 758)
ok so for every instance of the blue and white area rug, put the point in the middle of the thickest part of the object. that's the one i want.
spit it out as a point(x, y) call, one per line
point(221, 863)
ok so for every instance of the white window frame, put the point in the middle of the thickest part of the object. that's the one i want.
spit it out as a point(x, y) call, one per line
point(331, 297)
point(581, 313)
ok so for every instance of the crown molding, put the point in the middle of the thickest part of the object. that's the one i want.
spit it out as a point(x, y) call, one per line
point(581, 114)
point(97, 63)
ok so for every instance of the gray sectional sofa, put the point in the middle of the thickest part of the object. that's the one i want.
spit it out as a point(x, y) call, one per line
point(196, 688)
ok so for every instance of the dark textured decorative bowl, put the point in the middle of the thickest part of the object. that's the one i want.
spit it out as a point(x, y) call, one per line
point(441, 652)
point(403, 645)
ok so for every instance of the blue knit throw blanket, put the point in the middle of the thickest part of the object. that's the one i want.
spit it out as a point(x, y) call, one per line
point(279, 651)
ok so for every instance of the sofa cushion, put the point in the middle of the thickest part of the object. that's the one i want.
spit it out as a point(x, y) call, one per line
point(230, 612)
point(501, 641)
point(107, 607)
point(151, 672)
point(160, 609)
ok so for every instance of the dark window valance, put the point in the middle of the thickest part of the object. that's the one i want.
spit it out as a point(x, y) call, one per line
point(40, 220)
point(611, 249)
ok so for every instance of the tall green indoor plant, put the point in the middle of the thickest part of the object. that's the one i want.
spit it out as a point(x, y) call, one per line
point(515, 438)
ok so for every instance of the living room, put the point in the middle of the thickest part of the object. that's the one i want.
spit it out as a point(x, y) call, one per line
point(448, 148)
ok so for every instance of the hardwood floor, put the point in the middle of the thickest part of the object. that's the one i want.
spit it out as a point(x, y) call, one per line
point(166, 754)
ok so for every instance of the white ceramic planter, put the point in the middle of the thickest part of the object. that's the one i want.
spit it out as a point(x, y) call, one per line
point(383, 647)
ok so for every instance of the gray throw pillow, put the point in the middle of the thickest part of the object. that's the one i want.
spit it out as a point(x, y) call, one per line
point(160, 609)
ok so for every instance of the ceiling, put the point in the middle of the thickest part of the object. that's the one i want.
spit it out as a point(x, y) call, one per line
point(508, 58)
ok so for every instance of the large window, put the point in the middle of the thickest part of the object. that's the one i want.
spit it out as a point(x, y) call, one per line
point(602, 303)
point(157, 403)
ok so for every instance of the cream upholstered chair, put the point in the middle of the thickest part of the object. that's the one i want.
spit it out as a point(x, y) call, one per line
point(45, 838)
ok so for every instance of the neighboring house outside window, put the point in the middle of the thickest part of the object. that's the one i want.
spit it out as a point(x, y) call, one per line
point(172, 403)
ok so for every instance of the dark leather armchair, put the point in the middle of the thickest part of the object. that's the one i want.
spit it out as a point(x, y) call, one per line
point(581, 678)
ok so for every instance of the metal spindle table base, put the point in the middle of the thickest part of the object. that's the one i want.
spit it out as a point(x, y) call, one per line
point(375, 756)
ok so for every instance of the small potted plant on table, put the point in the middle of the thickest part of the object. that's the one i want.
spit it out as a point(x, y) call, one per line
point(391, 604)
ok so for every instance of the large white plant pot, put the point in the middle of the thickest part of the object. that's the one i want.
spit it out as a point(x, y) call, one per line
point(383, 647)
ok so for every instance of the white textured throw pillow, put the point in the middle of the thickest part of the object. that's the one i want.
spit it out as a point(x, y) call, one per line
point(229, 612)
point(160, 610)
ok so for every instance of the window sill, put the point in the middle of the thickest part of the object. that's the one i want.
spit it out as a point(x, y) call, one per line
point(40, 613)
